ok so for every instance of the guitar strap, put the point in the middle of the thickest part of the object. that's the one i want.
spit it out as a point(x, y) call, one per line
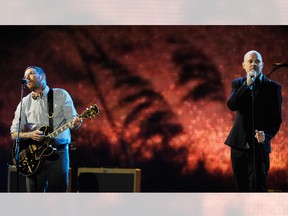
point(50, 110)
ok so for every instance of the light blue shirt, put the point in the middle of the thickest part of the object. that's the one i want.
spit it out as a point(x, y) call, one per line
point(35, 113)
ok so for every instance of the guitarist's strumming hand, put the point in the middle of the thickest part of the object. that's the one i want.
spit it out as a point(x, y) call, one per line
point(37, 135)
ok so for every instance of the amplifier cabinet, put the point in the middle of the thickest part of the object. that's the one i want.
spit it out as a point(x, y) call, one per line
point(12, 180)
point(109, 179)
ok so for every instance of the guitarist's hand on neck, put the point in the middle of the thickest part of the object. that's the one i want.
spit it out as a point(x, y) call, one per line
point(76, 123)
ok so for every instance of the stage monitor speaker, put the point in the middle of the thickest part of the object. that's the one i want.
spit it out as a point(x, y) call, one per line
point(109, 180)
point(12, 180)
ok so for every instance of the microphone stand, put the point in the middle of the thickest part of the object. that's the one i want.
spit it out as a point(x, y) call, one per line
point(274, 69)
point(253, 138)
point(253, 126)
point(17, 143)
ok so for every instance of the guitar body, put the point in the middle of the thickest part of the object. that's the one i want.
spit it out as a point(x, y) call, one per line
point(32, 154)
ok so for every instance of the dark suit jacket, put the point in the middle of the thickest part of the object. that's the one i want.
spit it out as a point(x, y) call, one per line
point(267, 111)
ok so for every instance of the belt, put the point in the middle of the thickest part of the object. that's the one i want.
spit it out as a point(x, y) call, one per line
point(59, 147)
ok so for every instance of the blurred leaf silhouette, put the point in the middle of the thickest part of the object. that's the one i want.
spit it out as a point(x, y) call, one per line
point(195, 66)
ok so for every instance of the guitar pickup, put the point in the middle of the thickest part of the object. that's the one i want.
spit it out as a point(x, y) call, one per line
point(32, 148)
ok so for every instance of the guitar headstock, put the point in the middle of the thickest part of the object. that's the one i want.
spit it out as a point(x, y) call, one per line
point(90, 112)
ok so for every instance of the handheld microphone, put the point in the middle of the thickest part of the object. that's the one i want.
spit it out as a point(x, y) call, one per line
point(24, 81)
point(280, 64)
point(254, 75)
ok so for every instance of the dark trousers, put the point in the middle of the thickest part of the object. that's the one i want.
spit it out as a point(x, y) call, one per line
point(54, 174)
point(250, 168)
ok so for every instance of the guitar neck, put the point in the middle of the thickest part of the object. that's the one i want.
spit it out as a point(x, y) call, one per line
point(59, 130)
point(88, 113)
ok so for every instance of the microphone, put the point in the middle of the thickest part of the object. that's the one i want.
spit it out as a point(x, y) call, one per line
point(280, 64)
point(24, 81)
point(253, 77)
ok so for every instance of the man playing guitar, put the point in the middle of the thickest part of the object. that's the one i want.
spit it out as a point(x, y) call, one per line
point(52, 176)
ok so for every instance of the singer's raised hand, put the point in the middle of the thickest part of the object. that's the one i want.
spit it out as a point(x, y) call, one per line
point(251, 75)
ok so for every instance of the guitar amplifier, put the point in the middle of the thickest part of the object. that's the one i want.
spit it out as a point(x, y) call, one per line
point(109, 180)
point(12, 180)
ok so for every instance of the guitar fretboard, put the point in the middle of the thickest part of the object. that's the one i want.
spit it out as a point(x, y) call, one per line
point(59, 130)
point(88, 113)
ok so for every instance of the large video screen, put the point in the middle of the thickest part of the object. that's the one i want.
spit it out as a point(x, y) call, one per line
point(162, 93)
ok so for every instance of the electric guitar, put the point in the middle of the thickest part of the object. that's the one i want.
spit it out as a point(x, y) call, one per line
point(32, 153)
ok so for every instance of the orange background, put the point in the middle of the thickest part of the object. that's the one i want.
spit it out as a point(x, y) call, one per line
point(162, 92)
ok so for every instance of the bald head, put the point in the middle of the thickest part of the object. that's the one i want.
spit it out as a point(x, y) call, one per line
point(253, 62)
point(253, 52)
